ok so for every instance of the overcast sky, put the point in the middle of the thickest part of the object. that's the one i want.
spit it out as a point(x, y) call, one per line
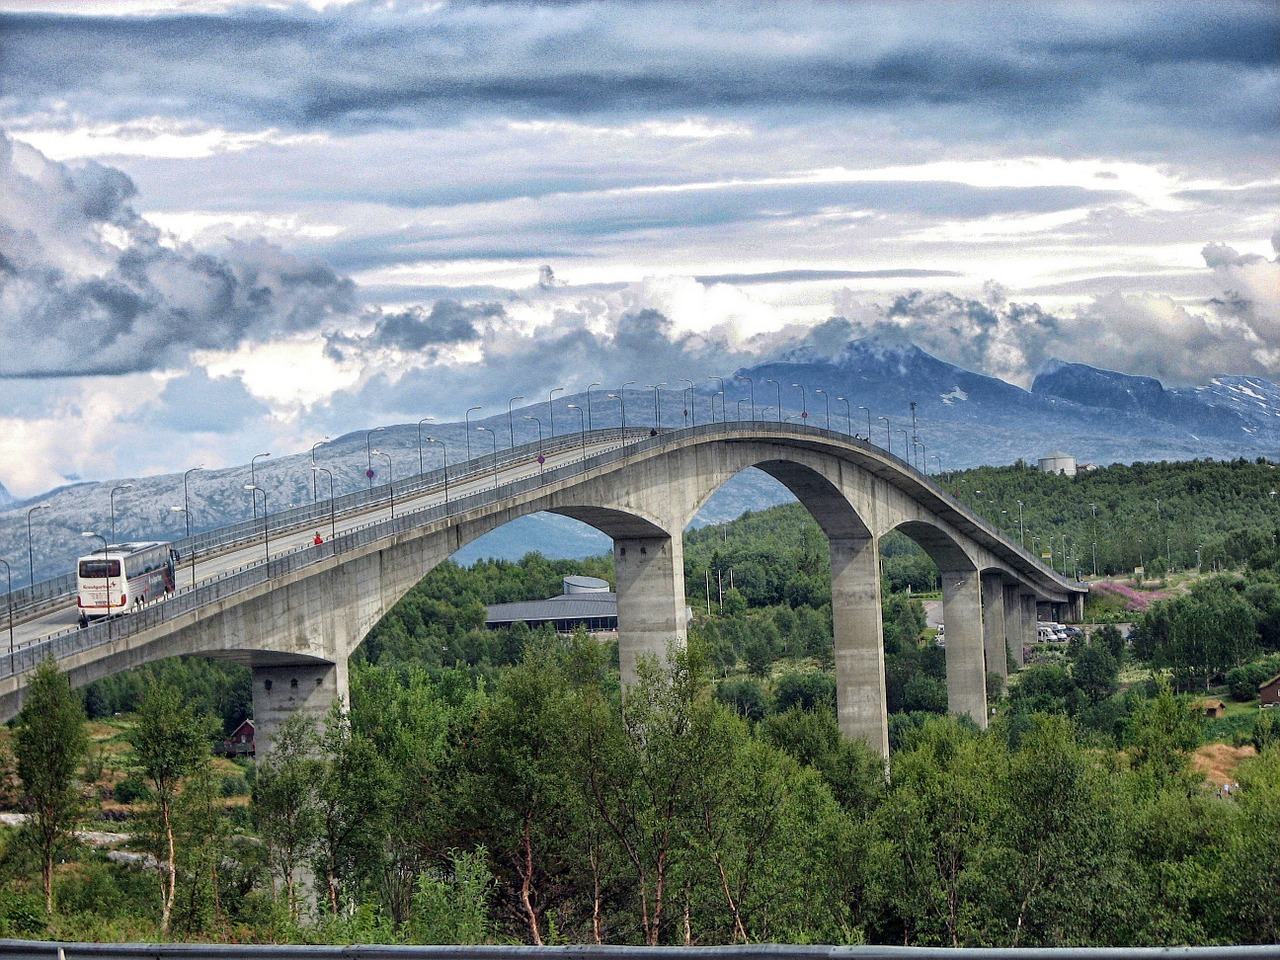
point(231, 227)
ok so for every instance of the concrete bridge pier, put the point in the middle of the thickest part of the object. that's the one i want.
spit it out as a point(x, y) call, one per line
point(966, 660)
point(283, 690)
point(859, 641)
point(1014, 629)
point(651, 606)
point(994, 641)
point(1030, 620)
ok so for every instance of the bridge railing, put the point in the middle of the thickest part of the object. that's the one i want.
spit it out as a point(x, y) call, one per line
point(228, 584)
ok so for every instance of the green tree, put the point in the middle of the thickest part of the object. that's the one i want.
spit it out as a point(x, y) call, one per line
point(170, 744)
point(50, 744)
point(285, 803)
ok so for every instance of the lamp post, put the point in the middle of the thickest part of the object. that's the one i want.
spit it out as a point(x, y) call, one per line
point(688, 407)
point(723, 416)
point(888, 440)
point(848, 416)
point(31, 574)
point(906, 442)
point(827, 398)
point(106, 572)
point(541, 458)
point(495, 452)
point(551, 408)
point(868, 409)
point(1142, 560)
point(511, 430)
point(582, 426)
point(391, 480)
point(368, 453)
point(1093, 507)
point(111, 497)
point(804, 403)
point(657, 403)
point(778, 387)
point(266, 532)
point(622, 393)
point(593, 383)
point(333, 520)
point(751, 390)
point(421, 468)
point(622, 407)
point(444, 452)
point(253, 480)
point(924, 457)
point(314, 493)
point(1022, 537)
point(741, 401)
point(186, 509)
point(939, 459)
point(8, 572)
point(466, 420)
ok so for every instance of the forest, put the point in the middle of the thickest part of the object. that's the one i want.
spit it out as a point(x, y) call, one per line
point(488, 787)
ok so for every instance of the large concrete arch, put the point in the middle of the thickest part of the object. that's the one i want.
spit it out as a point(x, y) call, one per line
point(297, 623)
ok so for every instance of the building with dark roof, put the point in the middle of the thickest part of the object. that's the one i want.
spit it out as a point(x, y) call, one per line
point(586, 602)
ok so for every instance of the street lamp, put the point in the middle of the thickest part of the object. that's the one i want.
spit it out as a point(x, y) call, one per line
point(622, 394)
point(1093, 507)
point(623, 408)
point(495, 452)
point(186, 509)
point(253, 480)
point(751, 389)
point(314, 493)
point(112, 498)
point(868, 409)
point(779, 388)
point(421, 468)
point(8, 572)
point(1022, 538)
point(689, 407)
point(333, 522)
point(741, 401)
point(804, 404)
point(582, 427)
point(551, 407)
point(391, 481)
point(906, 443)
point(826, 397)
point(539, 423)
point(848, 416)
point(444, 452)
point(368, 457)
point(593, 383)
point(888, 440)
point(31, 573)
point(266, 532)
point(939, 459)
point(466, 419)
point(657, 403)
point(720, 380)
point(511, 430)
point(924, 457)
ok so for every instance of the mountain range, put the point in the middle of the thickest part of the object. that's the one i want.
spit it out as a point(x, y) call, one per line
point(872, 387)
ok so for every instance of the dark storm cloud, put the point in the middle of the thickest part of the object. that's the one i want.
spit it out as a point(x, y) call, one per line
point(89, 287)
point(447, 322)
point(358, 66)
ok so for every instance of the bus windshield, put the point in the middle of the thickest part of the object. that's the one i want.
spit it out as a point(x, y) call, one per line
point(97, 569)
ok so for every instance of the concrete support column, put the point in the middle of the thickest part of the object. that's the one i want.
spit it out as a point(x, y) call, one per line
point(651, 607)
point(993, 630)
point(1013, 628)
point(966, 674)
point(306, 687)
point(859, 641)
point(1029, 620)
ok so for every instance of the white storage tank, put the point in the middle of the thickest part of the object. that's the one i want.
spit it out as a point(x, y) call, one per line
point(1058, 462)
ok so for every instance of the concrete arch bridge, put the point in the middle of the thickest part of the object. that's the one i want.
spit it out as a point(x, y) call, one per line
point(296, 618)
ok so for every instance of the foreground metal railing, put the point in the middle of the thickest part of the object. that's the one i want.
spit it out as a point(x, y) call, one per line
point(192, 951)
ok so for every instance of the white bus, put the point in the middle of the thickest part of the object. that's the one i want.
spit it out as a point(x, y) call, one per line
point(114, 580)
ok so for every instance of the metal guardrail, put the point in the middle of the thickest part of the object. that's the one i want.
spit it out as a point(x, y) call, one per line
point(47, 950)
point(185, 600)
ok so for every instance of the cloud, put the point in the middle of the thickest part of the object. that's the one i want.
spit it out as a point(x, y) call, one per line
point(447, 322)
point(1063, 64)
point(88, 286)
point(1145, 334)
point(196, 402)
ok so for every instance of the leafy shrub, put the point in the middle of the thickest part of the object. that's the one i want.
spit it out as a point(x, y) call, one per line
point(21, 914)
point(130, 790)
point(235, 785)
point(1243, 681)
